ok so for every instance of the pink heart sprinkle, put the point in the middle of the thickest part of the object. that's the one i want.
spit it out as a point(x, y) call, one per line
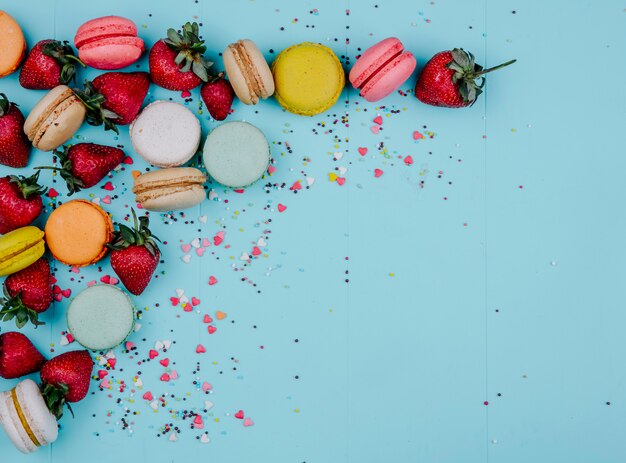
point(200, 251)
point(129, 345)
point(56, 289)
point(408, 160)
point(218, 238)
point(58, 297)
point(206, 386)
point(341, 180)
point(256, 251)
point(185, 94)
point(362, 151)
point(148, 396)
point(187, 307)
point(375, 129)
point(205, 243)
point(112, 362)
point(207, 319)
point(240, 190)
point(91, 283)
point(212, 329)
point(378, 120)
point(378, 173)
point(173, 374)
point(113, 281)
point(70, 338)
point(174, 301)
point(248, 422)
point(102, 373)
point(106, 199)
point(75, 269)
point(296, 186)
point(239, 415)
point(195, 301)
point(66, 292)
point(165, 362)
point(165, 377)
point(186, 247)
point(212, 280)
point(200, 349)
point(108, 186)
point(271, 169)
point(105, 384)
point(417, 135)
point(197, 422)
point(152, 354)
point(52, 193)
point(128, 160)
point(281, 208)
point(106, 279)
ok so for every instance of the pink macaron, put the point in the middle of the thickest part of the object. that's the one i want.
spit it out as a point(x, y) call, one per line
point(382, 69)
point(109, 42)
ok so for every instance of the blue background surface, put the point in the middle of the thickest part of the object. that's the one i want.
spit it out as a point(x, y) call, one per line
point(498, 280)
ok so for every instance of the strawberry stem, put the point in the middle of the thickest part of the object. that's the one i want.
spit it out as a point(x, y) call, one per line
point(499, 66)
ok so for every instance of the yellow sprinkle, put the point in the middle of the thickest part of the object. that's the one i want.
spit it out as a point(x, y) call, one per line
point(332, 176)
point(392, 274)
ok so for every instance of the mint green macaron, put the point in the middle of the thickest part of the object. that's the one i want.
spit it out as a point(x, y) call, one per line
point(236, 154)
point(101, 317)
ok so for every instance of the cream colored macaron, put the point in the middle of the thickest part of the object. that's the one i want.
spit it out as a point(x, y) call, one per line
point(170, 189)
point(248, 72)
point(165, 134)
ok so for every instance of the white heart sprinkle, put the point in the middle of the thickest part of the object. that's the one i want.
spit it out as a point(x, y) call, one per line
point(203, 218)
point(212, 195)
point(208, 405)
point(167, 343)
point(179, 292)
point(310, 181)
point(244, 256)
point(342, 170)
point(205, 438)
point(338, 155)
point(158, 345)
point(96, 201)
point(196, 243)
point(102, 361)
point(137, 326)
point(173, 437)
point(261, 243)
point(64, 341)
point(186, 258)
point(139, 382)
point(110, 355)
point(184, 299)
point(154, 405)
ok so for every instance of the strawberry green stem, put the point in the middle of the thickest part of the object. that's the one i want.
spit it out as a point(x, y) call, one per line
point(499, 66)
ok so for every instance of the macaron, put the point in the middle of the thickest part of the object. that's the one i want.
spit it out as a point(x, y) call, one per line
point(109, 42)
point(309, 78)
point(101, 317)
point(248, 72)
point(26, 418)
point(12, 44)
point(165, 134)
point(55, 119)
point(170, 189)
point(77, 233)
point(236, 154)
point(381, 69)
point(20, 248)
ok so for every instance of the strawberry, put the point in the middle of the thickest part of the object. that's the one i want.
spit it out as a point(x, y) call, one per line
point(85, 164)
point(18, 356)
point(218, 96)
point(449, 79)
point(20, 201)
point(14, 144)
point(115, 98)
point(65, 378)
point(28, 293)
point(135, 254)
point(49, 63)
point(177, 62)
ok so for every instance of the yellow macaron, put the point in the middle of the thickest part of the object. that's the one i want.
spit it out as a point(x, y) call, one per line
point(309, 78)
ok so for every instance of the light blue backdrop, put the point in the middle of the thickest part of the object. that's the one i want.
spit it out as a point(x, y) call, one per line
point(484, 315)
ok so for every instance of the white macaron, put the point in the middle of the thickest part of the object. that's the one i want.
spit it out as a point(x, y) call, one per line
point(166, 134)
point(26, 418)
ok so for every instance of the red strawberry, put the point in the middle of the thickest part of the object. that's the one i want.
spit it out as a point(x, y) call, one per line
point(28, 293)
point(85, 164)
point(20, 201)
point(177, 62)
point(218, 96)
point(115, 98)
point(65, 378)
point(49, 63)
point(18, 356)
point(14, 144)
point(449, 79)
point(134, 254)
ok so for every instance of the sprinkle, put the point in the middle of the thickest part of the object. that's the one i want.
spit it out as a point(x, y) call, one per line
point(362, 151)
point(378, 173)
point(207, 387)
point(147, 396)
point(248, 422)
point(408, 160)
point(281, 208)
point(165, 362)
point(200, 349)
point(220, 315)
point(212, 280)
point(239, 415)
point(165, 377)
point(378, 120)
point(212, 329)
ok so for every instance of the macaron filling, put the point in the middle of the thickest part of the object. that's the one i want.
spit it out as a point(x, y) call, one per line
point(101, 317)
point(253, 80)
point(51, 116)
point(22, 418)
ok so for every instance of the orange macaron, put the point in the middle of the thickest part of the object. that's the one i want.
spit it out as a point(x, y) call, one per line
point(12, 44)
point(77, 233)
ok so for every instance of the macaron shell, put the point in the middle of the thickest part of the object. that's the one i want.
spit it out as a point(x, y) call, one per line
point(105, 26)
point(236, 154)
point(12, 44)
point(170, 189)
point(111, 52)
point(77, 233)
point(44, 108)
point(165, 134)
point(101, 317)
point(309, 78)
point(373, 58)
point(12, 425)
point(247, 72)
point(61, 124)
point(42, 422)
point(174, 198)
point(389, 78)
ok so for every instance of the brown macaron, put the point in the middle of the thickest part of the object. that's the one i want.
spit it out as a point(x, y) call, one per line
point(248, 72)
point(170, 189)
point(55, 119)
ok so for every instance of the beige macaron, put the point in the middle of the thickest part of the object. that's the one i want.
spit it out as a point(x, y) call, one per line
point(170, 189)
point(248, 72)
point(55, 119)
